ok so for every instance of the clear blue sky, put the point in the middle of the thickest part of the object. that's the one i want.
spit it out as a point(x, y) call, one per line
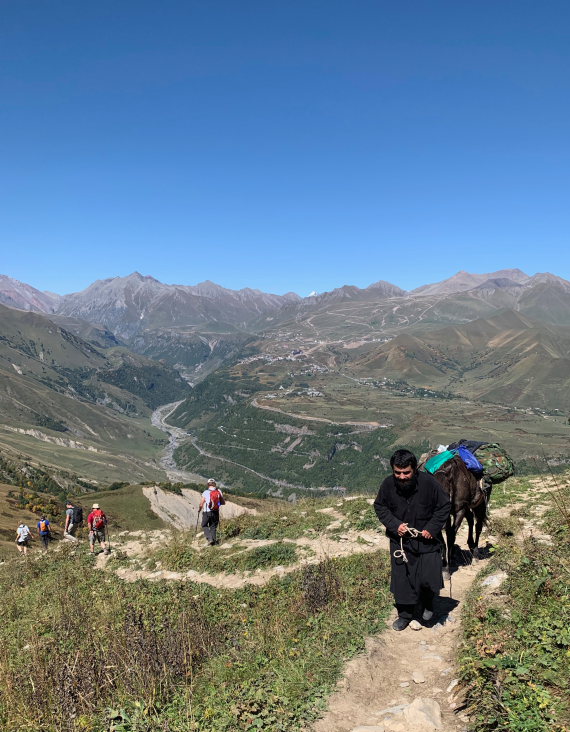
point(283, 145)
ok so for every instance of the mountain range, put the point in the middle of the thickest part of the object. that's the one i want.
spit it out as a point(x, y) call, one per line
point(89, 367)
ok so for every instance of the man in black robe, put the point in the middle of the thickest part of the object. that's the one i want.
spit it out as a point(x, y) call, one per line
point(414, 508)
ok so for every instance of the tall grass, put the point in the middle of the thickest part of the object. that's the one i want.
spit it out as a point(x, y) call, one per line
point(73, 640)
point(80, 650)
point(515, 656)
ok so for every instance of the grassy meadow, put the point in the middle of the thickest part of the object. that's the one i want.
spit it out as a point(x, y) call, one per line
point(94, 653)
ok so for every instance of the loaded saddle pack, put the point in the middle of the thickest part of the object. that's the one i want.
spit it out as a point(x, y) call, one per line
point(487, 460)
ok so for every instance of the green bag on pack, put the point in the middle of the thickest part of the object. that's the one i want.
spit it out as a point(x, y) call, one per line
point(435, 462)
point(497, 463)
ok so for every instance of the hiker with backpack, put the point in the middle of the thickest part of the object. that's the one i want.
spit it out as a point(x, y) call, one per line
point(210, 503)
point(44, 531)
point(73, 519)
point(414, 509)
point(23, 538)
point(97, 523)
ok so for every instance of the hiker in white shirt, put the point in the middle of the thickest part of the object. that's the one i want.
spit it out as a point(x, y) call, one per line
point(210, 503)
point(23, 537)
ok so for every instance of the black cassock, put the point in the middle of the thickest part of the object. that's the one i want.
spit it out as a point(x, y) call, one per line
point(427, 506)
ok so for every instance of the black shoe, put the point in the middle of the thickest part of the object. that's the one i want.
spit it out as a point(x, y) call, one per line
point(401, 623)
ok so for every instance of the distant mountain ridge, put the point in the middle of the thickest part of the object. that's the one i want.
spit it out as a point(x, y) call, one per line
point(142, 294)
point(19, 295)
point(195, 328)
point(467, 281)
point(73, 375)
point(129, 305)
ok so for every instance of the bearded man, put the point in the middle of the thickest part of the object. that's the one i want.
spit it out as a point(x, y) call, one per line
point(413, 507)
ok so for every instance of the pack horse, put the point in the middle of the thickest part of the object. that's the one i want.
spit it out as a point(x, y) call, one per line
point(469, 499)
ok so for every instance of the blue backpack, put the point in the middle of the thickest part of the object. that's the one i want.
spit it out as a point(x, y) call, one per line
point(471, 462)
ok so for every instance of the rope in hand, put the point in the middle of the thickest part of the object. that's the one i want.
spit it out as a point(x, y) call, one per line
point(400, 553)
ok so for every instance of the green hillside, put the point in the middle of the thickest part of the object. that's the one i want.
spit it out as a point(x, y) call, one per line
point(183, 655)
point(75, 408)
point(18, 506)
point(292, 415)
point(127, 508)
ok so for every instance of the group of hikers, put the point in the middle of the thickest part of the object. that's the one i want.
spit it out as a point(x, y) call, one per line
point(210, 501)
point(96, 523)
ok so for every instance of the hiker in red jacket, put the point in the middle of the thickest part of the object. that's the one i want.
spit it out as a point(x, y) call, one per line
point(97, 523)
point(210, 503)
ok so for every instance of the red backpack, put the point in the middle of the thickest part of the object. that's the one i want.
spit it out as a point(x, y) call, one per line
point(98, 520)
point(216, 500)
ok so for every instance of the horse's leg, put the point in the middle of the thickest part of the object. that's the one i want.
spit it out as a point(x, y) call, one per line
point(458, 518)
point(470, 541)
point(446, 557)
point(480, 515)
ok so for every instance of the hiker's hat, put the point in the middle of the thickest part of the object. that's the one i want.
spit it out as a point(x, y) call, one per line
point(95, 505)
point(211, 481)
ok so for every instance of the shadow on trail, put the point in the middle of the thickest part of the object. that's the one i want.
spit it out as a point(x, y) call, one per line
point(444, 604)
point(464, 557)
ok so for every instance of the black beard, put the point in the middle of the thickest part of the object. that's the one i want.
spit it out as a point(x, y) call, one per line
point(407, 486)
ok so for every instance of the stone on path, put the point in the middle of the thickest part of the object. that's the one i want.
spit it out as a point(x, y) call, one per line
point(452, 686)
point(418, 677)
point(391, 710)
point(422, 714)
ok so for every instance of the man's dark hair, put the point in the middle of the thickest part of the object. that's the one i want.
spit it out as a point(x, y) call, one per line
point(404, 459)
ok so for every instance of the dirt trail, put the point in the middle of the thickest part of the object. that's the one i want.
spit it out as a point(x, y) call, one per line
point(408, 680)
point(398, 667)
point(319, 549)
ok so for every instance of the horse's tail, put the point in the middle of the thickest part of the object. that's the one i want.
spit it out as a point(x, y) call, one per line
point(481, 500)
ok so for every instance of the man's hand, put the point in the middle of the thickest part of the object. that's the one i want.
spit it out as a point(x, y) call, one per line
point(402, 529)
point(426, 534)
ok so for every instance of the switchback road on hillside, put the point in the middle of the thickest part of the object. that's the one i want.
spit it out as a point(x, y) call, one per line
point(367, 425)
point(177, 436)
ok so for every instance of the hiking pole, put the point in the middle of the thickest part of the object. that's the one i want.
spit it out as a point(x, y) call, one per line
point(197, 520)
point(108, 540)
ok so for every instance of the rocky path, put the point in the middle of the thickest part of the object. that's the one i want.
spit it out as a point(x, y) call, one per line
point(406, 680)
